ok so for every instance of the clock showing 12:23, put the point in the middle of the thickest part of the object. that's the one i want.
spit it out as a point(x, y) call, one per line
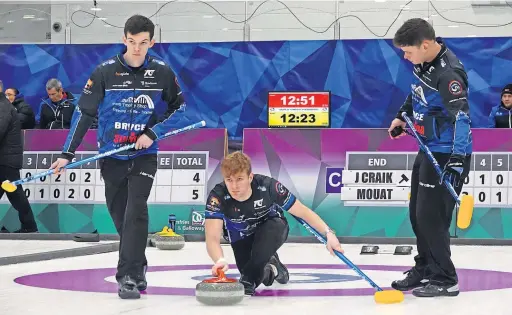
point(299, 109)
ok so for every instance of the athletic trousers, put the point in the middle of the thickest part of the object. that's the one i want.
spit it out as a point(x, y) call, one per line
point(431, 210)
point(18, 199)
point(127, 187)
point(253, 252)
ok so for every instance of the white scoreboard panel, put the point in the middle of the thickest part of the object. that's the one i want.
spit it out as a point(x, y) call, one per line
point(181, 178)
point(384, 179)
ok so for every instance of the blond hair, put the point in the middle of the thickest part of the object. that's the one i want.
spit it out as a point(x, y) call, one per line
point(235, 163)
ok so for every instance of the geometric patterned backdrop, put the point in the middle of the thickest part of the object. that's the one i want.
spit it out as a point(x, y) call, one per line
point(226, 83)
point(299, 159)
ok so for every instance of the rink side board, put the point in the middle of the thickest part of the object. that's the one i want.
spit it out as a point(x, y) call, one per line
point(188, 168)
point(358, 180)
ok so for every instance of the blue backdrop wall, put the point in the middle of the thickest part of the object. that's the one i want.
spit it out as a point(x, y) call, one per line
point(226, 83)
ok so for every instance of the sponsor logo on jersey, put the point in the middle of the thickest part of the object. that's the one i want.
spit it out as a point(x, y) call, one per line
point(148, 74)
point(419, 94)
point(128, 126)
point(140, 100)
point(280, 188)
point(214, 202)
point(258, 203)
point(108, 62)
point(455, 87)
point(132, 138)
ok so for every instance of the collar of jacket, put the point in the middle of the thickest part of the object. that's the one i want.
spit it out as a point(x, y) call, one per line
point(123, 62)
point(441, 52)
point(504, 107)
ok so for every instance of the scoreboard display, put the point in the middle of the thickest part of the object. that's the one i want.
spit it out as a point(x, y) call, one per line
point(181, 178)
point(299, 109)
point(384, 178)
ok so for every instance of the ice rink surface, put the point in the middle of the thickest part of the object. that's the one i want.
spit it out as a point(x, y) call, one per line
point(319, 283)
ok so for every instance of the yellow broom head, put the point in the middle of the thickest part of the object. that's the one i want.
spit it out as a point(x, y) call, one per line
point(467, 204)
point(389, 296)
point(8, 186)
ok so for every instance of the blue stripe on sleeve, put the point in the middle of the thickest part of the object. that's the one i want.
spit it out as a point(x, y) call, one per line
point(462, 134)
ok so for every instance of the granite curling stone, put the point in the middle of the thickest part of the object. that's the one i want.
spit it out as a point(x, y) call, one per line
point(151, 240)
point(220, 291)
point(168, 240)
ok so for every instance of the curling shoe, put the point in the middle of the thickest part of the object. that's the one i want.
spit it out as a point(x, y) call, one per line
point(434, 290)
point(282, 272)
point(249, 286)
point(128, 288)
point(413, 280)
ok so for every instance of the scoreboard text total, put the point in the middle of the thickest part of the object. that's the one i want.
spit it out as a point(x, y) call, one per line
point(384, 178)
point(181, 178)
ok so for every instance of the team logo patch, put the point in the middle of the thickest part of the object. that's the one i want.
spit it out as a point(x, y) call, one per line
point(89, 83)
point(455, 87)
point(214, 202)
point(280, 188)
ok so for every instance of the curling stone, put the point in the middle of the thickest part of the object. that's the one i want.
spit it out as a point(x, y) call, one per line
point(220, 291)
point(168, 240)
point(151, 240)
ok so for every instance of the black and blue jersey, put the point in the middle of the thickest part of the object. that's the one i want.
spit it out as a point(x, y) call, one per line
point(128, 102)
point(268, 200)
point(439, 106)
point(500, 117)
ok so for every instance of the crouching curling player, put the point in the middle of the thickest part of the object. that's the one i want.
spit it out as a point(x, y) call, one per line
point(248, 211)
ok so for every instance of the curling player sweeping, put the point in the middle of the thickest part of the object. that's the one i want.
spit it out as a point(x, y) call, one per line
point(439, 106)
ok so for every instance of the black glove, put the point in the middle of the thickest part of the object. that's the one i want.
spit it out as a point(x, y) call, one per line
point(396, 131)
point(453, 170)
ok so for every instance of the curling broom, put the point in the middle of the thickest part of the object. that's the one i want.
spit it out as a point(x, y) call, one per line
point(11, 186)
point(381, 296)
point(465, 203)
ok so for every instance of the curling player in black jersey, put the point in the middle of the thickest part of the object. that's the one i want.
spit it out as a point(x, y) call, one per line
point(248, 210)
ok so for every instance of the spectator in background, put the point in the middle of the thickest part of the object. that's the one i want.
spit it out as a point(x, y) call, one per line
point(56, 111)
point(1, 86)
point(501, 115)
point(25, 113)
point(11, 158)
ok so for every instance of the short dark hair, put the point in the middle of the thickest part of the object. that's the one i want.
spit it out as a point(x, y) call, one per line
point(139, 24)
point(413, 33)
point(16, 91)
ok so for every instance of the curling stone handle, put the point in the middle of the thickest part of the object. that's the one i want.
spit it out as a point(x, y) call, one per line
point(221, 274)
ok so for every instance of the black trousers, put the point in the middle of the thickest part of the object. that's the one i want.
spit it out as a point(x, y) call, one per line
point(431, 210)
point(127, 187)
point(254, 252)
point(18, 199)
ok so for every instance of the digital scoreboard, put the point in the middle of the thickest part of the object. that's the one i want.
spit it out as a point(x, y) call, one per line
point(299, 109)
point(384, 178)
